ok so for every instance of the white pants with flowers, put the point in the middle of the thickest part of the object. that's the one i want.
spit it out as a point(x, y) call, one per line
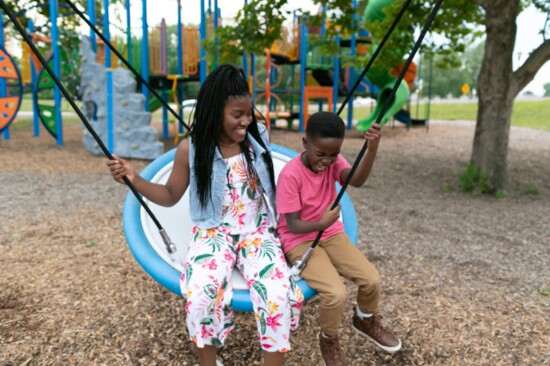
point(206, 283)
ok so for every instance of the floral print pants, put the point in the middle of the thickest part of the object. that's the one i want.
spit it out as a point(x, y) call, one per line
point(244, 240)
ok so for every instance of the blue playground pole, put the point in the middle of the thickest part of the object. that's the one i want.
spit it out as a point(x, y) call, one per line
point(336, 75)
point(128, 33)
point(145, 52)
point(351, 80)
point(91, 16)
point(3, 89)
point(217, 14)
point(35, 119)
point(323, 32)
point(180, 41)
point(56, 70)
point(109, 74)
point(179, 91)
point(245, 59)
point(303, 48)
point(164, 67)
point(202, 53)
point(253, 74)
point(164, 113)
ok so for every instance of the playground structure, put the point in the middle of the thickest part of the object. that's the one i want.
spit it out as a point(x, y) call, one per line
point(296, 72)
point(322, 78)
point(152, 62)
point(46, 100)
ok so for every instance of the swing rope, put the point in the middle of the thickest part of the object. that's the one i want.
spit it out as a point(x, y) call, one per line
point(127, 64)
point(374, 55)
point(170, 246)
point(300, 263)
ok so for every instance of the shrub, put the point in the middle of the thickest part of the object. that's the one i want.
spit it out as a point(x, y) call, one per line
point(473, 180)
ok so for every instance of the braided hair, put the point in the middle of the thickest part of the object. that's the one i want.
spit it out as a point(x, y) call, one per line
point(222, 85)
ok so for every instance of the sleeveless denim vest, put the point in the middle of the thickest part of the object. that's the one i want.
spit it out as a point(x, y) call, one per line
point(210, 215)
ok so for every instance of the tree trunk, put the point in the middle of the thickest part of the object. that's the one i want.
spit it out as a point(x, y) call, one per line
point(496, 93)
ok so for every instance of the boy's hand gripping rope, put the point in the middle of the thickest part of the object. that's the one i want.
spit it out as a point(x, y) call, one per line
point(170, 246)
point(301, 263)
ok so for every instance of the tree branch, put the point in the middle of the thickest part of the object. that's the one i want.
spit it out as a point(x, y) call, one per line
point(526, 73)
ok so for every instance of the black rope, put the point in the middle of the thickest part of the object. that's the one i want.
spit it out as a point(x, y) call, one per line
point(299, 265)
point(126, 63)
point(64, 91)
point(374, 55)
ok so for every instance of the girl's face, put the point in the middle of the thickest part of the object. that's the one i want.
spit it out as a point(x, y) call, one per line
point(320, 152)
point(237, 115)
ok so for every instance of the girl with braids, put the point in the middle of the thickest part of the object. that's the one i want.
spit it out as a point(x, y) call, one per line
point(226, 163)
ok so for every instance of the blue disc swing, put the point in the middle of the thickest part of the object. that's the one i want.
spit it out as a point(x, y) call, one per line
point(149, 249)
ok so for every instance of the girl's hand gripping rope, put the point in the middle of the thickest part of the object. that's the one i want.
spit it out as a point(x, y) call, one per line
point(120, 168)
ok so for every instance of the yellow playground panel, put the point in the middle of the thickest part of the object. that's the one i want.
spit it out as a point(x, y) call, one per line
point(288, 45)
point(190, 50)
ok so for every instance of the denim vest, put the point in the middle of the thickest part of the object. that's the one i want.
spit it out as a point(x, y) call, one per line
point(211, 214)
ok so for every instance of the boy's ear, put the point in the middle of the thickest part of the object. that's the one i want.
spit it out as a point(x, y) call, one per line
point(304, 142)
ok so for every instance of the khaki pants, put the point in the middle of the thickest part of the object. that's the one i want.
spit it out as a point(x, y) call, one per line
point(332, 258)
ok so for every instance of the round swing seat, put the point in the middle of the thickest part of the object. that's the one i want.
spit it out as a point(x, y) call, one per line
point(148, 247)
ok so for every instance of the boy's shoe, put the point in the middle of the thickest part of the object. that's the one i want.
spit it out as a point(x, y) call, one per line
point(372, 329)
point(330, 349)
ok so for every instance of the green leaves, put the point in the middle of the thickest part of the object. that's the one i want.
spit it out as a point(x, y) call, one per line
point(257, 25)
point(266, 271)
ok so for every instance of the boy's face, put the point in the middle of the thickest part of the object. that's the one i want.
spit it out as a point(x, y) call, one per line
point(320, 152)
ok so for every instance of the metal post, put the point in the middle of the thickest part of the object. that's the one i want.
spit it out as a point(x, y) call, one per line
point(91, 15)
point(323, 32)
point(245, 58)
point(253, 74)
point(109, 75)
point(34, 80)
point(3, 86)
point(128, 33)
point(351, 81)
point(56, 70)
point(202, 53)
point(179, 91)
point(145, 52)
point(217, 14)
point(180, 41)
point(303, 48)
point(336, 75)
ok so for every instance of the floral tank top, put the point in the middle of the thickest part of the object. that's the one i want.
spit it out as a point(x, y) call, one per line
point(244, 207)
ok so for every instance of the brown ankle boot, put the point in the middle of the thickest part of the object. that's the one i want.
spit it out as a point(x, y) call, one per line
point(372, 329)
point(330, 349)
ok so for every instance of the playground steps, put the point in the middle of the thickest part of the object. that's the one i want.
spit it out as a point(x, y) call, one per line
point(133, 136)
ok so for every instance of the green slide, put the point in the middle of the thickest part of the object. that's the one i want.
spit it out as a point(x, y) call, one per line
point(400, 98)
point(155, 103)
point(381, 77)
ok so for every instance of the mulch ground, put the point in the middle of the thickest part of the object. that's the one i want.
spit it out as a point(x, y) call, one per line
point(465, 278)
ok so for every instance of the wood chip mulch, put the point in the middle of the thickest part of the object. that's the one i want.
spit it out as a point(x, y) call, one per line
point(465, 279)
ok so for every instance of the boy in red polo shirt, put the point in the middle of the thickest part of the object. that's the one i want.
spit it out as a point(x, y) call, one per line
point(305, 194)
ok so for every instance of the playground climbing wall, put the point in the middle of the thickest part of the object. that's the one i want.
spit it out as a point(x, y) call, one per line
point(133, 135)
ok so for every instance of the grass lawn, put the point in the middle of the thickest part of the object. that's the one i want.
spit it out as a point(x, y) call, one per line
point(533, 114)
